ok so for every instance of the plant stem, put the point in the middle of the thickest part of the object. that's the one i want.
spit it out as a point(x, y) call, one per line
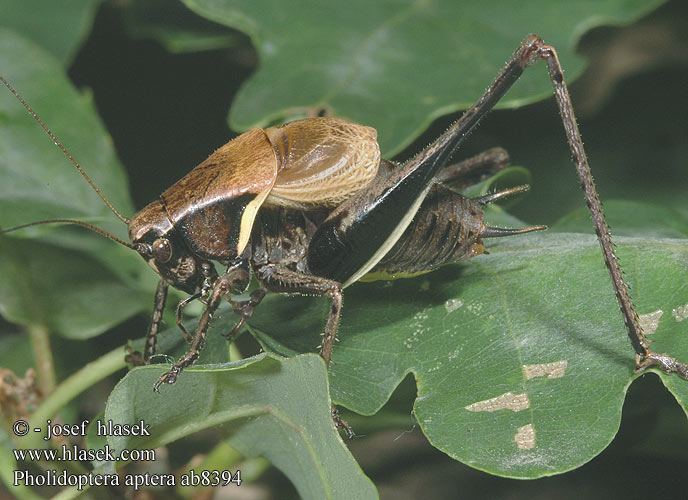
point(43, 354)
point(73, 386)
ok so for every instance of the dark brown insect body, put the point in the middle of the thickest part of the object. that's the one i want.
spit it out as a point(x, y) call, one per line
point(309, 207)
point(259, 201)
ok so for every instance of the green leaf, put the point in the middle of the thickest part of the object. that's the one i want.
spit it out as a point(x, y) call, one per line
point(629, 218)
point(397, 65)
point(42, 283)
point(58, 27)
point(15, 352)
point(177, 29)
point(38, 180)
point(467, 331)
point(253, 405)
point(47, 285)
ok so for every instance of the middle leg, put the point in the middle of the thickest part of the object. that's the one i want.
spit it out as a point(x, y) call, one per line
point(282, 280)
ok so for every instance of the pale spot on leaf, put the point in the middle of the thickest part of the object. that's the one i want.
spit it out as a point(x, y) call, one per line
point(650, 321)
point(453, 304)
point(507, 401)
point(525, 437)
point(555, 369)
point(680, 313)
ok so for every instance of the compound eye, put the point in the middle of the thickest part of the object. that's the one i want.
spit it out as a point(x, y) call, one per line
point(162, 250)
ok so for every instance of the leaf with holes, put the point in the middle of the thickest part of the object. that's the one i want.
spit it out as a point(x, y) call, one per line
point(521, 357)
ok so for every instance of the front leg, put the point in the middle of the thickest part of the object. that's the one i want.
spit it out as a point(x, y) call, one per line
point(134, 357)
point(222, 286)
point(180, 306)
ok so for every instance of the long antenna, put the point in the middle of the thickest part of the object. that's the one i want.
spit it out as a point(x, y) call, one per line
point(64, 150)
point(72, 221)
